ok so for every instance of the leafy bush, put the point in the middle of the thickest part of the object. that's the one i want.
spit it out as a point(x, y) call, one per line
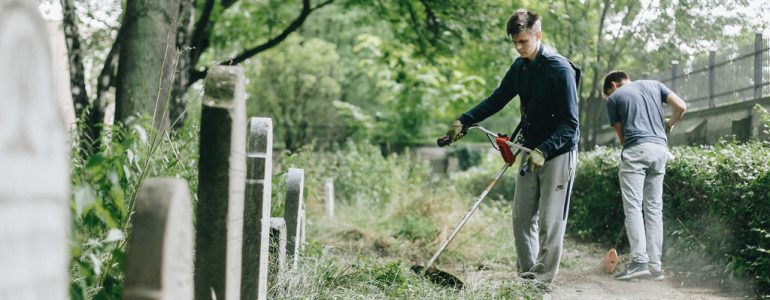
point(475, 179)
point(105, 187)
point(360, 172)
point(715, 208)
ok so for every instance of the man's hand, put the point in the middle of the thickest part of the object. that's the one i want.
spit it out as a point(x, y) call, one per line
point(457, 131)
point(668, 125)
point(536, 159)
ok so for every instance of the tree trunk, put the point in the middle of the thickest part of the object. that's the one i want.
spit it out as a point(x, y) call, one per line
point(75, 57)
point(590, 105)
point(89, 138)
point(147, 59)
point(183, 42)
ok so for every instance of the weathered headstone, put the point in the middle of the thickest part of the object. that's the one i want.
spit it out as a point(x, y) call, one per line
point(256, 230)
point(221, 182)
point(302, 230)
point(34, 172)
point(329, 186)
point(293, 211)
point(160, 248)
point(278, 242)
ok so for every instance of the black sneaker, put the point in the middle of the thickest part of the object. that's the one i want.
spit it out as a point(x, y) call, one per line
point(657, 275)
point(633, 270)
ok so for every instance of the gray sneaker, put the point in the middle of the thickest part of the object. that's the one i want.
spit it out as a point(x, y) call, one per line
point(633, 270)
point(657, 275)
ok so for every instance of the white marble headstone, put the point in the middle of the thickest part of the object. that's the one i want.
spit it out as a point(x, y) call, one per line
point(34, 169)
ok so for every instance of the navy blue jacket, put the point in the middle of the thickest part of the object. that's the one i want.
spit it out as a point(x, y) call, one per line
point(547, 88)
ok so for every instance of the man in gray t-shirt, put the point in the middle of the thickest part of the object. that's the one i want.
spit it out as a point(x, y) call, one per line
point(636, 112)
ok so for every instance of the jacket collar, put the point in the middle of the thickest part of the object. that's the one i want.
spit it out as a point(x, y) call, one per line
point(539, 57)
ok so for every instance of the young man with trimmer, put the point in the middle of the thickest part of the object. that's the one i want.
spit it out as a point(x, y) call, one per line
point(636, 111)
point(546, 84)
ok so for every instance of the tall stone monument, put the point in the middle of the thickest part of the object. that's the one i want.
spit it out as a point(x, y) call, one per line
point(34, 164)
point(256, 230)
point(221, 183)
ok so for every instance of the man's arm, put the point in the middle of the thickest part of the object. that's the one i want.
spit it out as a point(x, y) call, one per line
point(494, 103)
point(619, 131)
point(678, 106)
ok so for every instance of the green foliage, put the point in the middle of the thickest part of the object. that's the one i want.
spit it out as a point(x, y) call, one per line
point(392, 208)
point(355, 167)
point(468, 155)
point(596, 192)
point(715, 208)
point(303, 84)
point(105, 187)
point(338, 277)
point(474, 180)
point(414, 227)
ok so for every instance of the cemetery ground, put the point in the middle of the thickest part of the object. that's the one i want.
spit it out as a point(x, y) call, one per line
point(390, 212)
point(366, 252)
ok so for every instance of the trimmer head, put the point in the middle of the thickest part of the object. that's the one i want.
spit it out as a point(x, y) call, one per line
point(439, 277)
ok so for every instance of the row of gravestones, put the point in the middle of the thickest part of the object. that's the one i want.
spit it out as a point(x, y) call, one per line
point(233, 232)
point(232, 224)
point(234, 175)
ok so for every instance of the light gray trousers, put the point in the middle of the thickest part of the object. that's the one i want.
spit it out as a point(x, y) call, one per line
point(642, 168)
point(540, 209)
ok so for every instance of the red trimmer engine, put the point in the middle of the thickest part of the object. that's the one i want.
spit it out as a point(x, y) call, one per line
point(505, 150)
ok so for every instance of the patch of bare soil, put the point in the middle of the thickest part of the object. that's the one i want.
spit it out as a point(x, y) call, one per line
point(580, 278)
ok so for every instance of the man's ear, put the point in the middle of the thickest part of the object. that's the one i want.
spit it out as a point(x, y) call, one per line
point(615, 85)
point(539, 35)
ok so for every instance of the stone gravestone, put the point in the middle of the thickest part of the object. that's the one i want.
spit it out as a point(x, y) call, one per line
point(256, 230)
point(293, 212)
point(160, 248)
point(221, 181)
point(34, 163)
point(278, 242)
point(329, 185)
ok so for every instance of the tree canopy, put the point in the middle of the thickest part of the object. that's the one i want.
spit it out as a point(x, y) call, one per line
point(395, 72)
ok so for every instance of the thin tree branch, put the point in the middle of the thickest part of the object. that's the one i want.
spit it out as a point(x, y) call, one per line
point(199, 40)
point(227, 3)
point(307, 9)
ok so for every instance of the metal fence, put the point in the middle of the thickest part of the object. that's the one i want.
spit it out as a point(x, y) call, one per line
point(723, 77)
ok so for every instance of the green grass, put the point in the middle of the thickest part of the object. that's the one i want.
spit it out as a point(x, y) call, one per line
point(379, 232)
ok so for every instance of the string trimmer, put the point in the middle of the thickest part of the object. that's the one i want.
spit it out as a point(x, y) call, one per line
point(504, 145)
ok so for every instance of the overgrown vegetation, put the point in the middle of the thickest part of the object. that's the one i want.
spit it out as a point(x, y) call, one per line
point(104, 189)
point(391, 213)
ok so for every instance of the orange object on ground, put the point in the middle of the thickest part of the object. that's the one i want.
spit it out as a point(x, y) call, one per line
point(610, 261)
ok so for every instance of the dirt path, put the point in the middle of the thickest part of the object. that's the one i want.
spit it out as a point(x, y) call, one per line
point(580, 278)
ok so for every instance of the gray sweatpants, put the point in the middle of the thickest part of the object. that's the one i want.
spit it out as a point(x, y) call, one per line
point(540, 207)
point(642, 168)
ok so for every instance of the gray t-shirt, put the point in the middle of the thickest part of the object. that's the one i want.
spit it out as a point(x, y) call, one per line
point(637, 105)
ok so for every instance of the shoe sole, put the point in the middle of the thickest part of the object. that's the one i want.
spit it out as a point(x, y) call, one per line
point(634, 275)
point(659, 278)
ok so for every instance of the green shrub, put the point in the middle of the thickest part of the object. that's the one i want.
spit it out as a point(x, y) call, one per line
point(104, 188)
point(360, 172)
point(468, 155)
point(716, 208)
point(475, 179)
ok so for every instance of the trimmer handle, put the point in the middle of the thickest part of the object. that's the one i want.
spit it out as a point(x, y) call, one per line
point(524, 168)
point(444, 141)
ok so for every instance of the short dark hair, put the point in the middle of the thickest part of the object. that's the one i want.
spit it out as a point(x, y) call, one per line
point(613, 76)
point(523, 19)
